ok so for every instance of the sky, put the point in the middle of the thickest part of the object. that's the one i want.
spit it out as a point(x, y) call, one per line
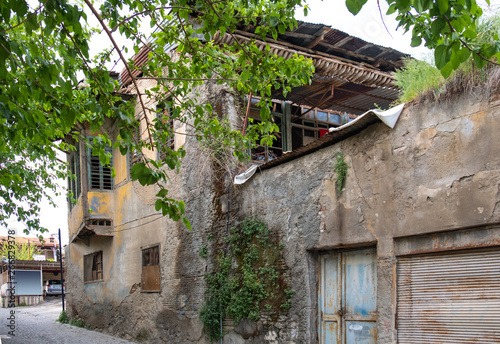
point(367, 25)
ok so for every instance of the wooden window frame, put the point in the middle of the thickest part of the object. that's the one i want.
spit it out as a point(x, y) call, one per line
point(151, 266)
point(74, 184)
point(95, 167)
point(93, 267)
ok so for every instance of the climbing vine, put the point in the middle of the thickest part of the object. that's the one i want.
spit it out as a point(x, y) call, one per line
point(248, 279)
point(340, 169)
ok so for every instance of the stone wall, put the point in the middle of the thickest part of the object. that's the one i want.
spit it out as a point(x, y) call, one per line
point(438, 170)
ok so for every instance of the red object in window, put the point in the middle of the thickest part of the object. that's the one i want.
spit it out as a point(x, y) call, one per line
point(322, 132)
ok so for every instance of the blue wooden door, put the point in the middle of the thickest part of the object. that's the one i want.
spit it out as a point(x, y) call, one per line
point(347, 297)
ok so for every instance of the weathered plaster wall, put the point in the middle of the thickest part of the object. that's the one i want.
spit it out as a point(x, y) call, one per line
point(117, 305)
point(437, 170)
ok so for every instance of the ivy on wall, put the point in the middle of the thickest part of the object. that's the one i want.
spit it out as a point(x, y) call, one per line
point(248, 279)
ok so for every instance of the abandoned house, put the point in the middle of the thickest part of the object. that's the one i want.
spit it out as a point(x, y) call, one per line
point(406, 251)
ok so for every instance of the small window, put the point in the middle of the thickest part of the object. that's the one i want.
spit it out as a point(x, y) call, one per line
point(334, 118)
point(92, 270)
point(100, 176)
point(150, 280)
point(322, 116)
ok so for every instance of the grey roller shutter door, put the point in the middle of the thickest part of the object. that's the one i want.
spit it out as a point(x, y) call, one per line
point(449, 298)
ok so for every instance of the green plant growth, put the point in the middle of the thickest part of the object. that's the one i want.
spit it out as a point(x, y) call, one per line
point(247, 280)
point(21, 252)
point(203, 251)
point(340, 169)
point(416, 78)
point(63, 318)
point(76, 322)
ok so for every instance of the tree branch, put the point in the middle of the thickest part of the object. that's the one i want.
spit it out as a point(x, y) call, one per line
point(85, 62)
point(27, 18)
point(467, 46)
point(110, 35)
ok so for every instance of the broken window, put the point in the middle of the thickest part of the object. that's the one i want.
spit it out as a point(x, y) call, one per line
point(92, 270)
point(150, 280)
point(265, 153)
point(164, 119)
point(100, 176)
point(309, 124)
point(74, 185)
point(297, 126)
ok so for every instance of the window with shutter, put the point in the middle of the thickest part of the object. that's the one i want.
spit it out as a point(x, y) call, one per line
point(100, 176)
point(74, 182)
point(92, 269)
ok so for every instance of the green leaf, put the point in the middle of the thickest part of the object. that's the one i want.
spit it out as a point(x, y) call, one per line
point(478, 61)
point(354, 6)
point(186, 223)
point(446, 70)
point(245, 75)
point(443, 6)
point(416, 41)
point(391, 9)
point(158, 204)
point(441, 55)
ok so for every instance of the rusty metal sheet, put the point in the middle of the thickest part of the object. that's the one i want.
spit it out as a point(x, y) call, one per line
point(449, 297)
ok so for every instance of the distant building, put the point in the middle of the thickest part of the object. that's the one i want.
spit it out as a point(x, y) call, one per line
point(49, 247)
point(31, 275)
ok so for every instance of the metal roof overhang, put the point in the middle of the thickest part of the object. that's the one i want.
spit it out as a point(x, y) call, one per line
point(350, 81)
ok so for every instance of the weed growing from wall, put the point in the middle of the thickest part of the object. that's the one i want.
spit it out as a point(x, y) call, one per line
point(340, 169)
point(249, 279)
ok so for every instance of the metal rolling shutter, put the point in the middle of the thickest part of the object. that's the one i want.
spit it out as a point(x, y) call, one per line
point(449, 298)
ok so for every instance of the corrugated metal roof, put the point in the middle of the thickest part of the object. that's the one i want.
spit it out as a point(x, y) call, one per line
point(327, 40)
point(358, 71)
point(139, 59)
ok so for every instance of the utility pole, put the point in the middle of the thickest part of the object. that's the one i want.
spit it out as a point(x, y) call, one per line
point(61, 265)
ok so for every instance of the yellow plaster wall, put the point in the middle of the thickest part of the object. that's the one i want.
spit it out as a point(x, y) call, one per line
point(120, 165)
point(101, 204)
point(75, 217)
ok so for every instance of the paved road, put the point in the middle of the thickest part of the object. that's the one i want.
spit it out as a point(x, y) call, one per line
point(37, 325)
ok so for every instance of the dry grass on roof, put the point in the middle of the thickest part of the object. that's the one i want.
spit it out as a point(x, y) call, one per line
point(420, 82)
point(480, 84)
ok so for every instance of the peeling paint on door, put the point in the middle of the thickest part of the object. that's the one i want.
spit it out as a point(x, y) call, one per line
point(347, 297)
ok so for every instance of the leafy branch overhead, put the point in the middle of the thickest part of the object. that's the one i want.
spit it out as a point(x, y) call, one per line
point(45, 54)
point(449, 27)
